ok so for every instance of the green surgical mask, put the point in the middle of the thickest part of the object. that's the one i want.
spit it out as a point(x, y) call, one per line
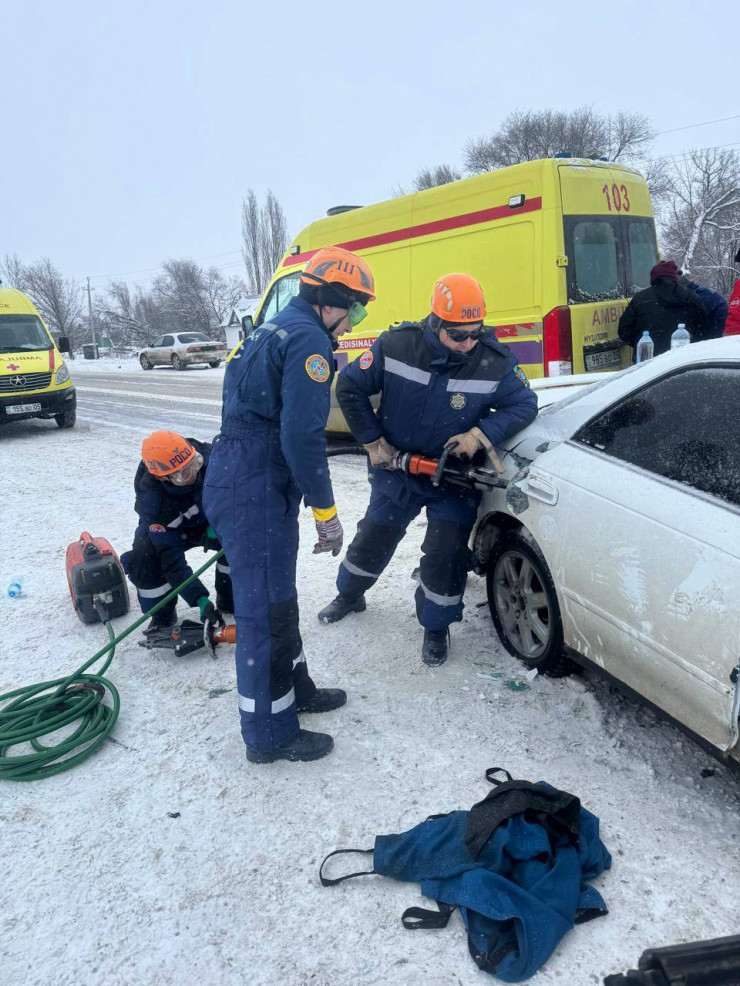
point(356, 313)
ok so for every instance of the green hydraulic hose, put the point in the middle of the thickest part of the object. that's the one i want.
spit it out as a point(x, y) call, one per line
point(79, 696)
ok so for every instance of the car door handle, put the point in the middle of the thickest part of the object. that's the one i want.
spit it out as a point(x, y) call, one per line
point(541, 489)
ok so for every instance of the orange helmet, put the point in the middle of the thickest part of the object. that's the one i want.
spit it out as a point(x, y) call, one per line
point(165, 452)
point(459, 299)
point(338, 268)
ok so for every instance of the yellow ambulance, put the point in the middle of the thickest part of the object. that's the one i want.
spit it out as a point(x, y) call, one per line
point(559, 245)
point(34, 379)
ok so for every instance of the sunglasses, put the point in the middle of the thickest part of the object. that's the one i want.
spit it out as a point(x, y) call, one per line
point(458, 335)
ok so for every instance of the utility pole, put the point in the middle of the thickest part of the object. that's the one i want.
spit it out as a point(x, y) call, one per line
point(90, 314)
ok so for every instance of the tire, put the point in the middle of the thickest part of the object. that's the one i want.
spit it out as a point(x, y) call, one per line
point(177, 362)
point(524, 605)
point(67, 418)
point(214, 363)
point(146, 363)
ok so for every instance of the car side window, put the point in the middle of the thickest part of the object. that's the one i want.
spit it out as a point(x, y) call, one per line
point(158, 342)
point(682, 427)
point(280, 294)
point(168, 341)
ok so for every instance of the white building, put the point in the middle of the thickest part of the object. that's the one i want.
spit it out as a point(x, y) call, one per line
point(232, 326)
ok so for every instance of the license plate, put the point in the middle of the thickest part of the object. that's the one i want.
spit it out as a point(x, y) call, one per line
point(22, 408)
point(611, 358)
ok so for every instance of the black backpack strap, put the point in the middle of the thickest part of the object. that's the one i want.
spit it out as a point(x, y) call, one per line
point(491, 775)
point(419, 917)
point(327, 882)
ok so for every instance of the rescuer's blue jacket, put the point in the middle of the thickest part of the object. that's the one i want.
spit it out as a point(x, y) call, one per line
point(430, 392)
point(282, 373)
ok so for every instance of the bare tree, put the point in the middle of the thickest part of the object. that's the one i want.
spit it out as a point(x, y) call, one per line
point(431, 177)
point(702, 217)
point(264, 239)
point(58, 299)
point(12, 272)
point(180, 292)
point(221, 293)
point(526, 135)
point(124, 316)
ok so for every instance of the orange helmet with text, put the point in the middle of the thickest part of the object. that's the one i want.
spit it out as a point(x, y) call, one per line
point(165, 452)
point(339, 269)
point(458, 299)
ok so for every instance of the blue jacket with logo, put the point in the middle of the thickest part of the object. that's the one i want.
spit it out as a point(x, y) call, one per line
point(174, 517)
point(430, 392)
point(282, 373)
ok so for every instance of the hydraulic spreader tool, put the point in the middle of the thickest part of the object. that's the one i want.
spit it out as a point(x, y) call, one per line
point(451, 470)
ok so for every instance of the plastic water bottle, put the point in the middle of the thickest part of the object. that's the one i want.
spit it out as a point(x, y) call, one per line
point(14, 589)
point(645, 348)
point(680, 337)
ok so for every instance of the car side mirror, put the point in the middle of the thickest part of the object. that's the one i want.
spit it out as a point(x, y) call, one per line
point(64, 346)
point(247, 325)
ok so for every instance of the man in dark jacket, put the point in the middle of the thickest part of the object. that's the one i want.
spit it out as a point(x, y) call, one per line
point(169, 502)
point(444, 380)
point(271, 452)
point(714, 305)
point(660, 309)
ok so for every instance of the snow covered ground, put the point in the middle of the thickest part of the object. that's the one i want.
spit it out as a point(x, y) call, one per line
point(167, 859)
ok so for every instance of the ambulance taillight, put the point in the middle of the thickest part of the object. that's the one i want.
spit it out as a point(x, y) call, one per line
point(558, 342)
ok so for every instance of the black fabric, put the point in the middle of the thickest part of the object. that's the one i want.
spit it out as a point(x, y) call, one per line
point(444, 560)
point(658, 310)
point(552, 808)
point(331, 882)
point(414, 918)
point(286, 647)
point(489, 360)
point(373, 547)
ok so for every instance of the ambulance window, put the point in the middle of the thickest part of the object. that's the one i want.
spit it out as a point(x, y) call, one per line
point(594, 260)
point(642, 252)
point(280, 294)
point(19, 332)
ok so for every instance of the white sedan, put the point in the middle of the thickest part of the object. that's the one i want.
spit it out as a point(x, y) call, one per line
point(617, 538)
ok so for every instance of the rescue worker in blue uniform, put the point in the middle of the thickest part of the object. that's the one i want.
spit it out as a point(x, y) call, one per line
point(445, 380)
point(271, 452)
point(169, 502)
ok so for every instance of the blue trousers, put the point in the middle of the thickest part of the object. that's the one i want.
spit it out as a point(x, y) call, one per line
point(394, 502)
point(252, 502)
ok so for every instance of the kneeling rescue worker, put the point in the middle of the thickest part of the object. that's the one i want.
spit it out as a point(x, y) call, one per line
point(169, 502)
point(445, 380)
point(270, 452)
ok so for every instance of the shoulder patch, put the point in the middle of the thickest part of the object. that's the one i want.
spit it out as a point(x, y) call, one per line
point(317, 368)
point(366, 360)
point(519, 372)
point(156, 529)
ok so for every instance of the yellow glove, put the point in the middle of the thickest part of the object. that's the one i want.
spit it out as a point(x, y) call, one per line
point(380, 453)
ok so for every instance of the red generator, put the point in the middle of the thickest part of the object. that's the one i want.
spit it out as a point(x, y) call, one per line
point(97, 583)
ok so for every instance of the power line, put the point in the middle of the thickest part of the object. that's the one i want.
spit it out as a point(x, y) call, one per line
point(704, 123)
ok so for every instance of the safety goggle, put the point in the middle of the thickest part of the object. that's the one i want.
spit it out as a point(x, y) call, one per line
point(356, 313)
point(459, 335)
point(188, 473)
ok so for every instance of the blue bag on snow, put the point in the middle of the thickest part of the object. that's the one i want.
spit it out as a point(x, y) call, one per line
point(517, 865)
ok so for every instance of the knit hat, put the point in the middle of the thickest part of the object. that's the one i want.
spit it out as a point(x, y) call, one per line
point(666, 268)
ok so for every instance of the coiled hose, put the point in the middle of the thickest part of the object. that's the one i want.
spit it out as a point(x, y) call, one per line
point(78, 698)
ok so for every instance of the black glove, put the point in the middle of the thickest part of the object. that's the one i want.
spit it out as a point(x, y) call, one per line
point(210, 541)
point(209, 614)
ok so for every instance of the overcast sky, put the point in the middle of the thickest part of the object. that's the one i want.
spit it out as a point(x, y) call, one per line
point(131, 131)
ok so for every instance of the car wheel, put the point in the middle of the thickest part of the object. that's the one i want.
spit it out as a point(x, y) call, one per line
point(67, 418)
point(146, 363)
point(177, 362)
point(214, 363)
point(524, 605)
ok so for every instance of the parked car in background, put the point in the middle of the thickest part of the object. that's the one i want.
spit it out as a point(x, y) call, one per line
point(182, 349)
point(617, 538)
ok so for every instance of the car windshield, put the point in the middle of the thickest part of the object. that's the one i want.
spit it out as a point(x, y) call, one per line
point(22, 332)
point(192, 337)
point(584, 392)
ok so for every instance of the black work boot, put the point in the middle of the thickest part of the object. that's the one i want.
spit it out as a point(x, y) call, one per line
point(324, 700)
point(434, 648)
point(338, 608)
point(165, 618)
point(305, 746)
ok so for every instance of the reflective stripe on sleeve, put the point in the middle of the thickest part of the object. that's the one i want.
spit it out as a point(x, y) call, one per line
point(406, 371)
point(195, 509)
